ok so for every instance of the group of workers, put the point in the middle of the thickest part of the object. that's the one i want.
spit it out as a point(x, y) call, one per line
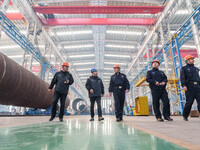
point(119, 86)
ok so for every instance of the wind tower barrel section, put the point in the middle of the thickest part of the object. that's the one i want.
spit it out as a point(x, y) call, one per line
point(20, 87)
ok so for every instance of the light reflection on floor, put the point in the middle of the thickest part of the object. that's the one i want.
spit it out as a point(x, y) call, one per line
point(80, 134)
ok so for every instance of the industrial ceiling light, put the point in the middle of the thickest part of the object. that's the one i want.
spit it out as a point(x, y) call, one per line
point(120, 46)
point(84, 63)
point(84, 69)
point(78, 46)
point(122, 56)
point(182, 12)
point(81, 56)
point(124, 32)
point(84, 74)
point(114, 63)
point(74, 32)
point(9, 47)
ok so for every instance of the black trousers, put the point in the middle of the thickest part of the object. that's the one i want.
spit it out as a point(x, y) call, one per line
point(98, 100)
point(191, 94)
point(62, 96)
point(119, 96)
point(162, 94)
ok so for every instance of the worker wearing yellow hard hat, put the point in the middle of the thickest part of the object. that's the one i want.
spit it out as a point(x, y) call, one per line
point(157, 82)
point(190, 81)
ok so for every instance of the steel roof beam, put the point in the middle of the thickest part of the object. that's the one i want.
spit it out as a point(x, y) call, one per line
point(98, 9)
point(138, 1)
point(98, 21)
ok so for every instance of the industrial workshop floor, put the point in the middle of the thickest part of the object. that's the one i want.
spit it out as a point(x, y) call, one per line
point(77, 133)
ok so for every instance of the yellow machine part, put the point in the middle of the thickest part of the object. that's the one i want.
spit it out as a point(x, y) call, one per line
point(141, 106)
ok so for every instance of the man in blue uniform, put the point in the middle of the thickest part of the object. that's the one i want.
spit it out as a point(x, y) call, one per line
point(62, 79)
point(95, 87)
point(190, 82)
point(119, 85)
point(157, 82)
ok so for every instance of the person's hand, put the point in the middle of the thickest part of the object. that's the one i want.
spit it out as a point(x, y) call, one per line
point(91, 91)
point(127, 91)
point(163, 83)
point(157, 83)
point(102, 95)
point(110, 93)
point(185, 88)
point(66, 81)
point(49, 90)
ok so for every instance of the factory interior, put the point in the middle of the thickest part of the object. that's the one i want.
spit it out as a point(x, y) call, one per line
point(112, 39)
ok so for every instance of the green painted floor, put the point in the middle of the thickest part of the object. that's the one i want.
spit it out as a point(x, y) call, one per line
point(80, 134)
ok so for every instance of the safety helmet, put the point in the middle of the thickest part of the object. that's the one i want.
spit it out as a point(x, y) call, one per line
point(155, 61)
point(93, 70)
point(189, 57)
point(65, 64)
point(116, 66)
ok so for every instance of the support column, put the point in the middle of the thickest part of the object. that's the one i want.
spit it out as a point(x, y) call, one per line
point(4, 8)
point(24, 62)
point(164, 54)
point(34, 44)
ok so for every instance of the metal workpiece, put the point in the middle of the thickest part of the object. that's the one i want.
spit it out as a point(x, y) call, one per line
point(20, 87)
point(79, 105)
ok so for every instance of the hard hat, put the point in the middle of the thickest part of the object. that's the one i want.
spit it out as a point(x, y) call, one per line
point(93, 70)
point(155, 61)
point(116, 66)
point(65, 64)
point(189, 57)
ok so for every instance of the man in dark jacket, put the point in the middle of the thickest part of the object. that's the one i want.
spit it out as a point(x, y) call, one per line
point(119, 86)
point(95, 87)
point(62, 79)
point(157, 82)
point(190, 81)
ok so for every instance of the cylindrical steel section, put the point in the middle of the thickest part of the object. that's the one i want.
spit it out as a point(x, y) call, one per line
point(79, 108)
point(20, 87)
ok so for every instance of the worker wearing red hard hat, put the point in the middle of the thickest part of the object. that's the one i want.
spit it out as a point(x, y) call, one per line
point(62, 80)
point(190, 81)
point(157, 82)
point(119, 85)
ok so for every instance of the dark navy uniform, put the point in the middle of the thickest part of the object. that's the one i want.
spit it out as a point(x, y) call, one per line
point(95, 83)
point(118, 85)
point(158, 92)
point(189, 77)
point(60, 91)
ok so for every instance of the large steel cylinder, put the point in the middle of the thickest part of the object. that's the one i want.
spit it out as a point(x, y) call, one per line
point(20, 87)
point(79, 105)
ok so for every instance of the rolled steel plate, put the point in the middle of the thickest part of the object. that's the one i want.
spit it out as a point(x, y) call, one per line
point(20, 87)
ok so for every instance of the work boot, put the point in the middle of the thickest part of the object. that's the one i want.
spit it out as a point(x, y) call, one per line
point(61, 120)
point(169, 119)
point(160, 120)
point(92, 119)
point(51, 119)
point(185, 119)
point(101, 118)
point(118, 119)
